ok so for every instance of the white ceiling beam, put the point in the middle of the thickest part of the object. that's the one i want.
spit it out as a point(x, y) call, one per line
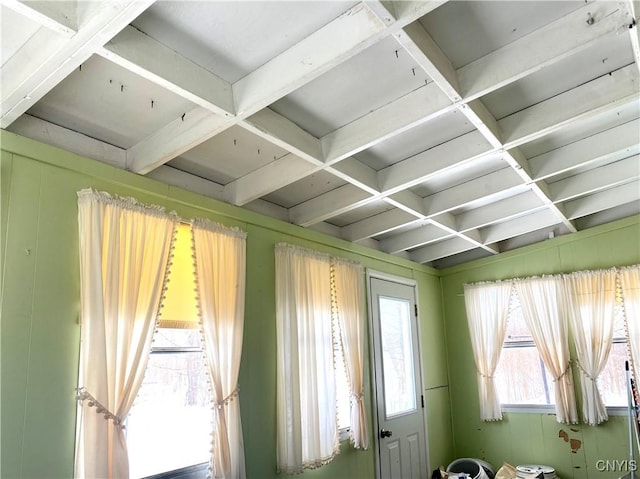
point(519, 226)
point(634, 30)
point(471, 191)
point(41, 130)
point(603, 200)
point(284, 133)
point(501, 210)
point(418, 168)
point(426, 52)
point(588, 100)
point(31, 74)
point(408, 201)
point(333, 203)
point(267, 179)
point(182, 179)
point(442, 249)
point(621, 171)
point(59, 17)
point(405, 113)
point(350, 33)
point(413, 238)
point(377, 224)
point(148, 58)
point(545, 46)
point(357, 173)
point(606, 146)
point(182, 134)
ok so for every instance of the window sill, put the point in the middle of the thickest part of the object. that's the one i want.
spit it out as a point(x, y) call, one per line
point(529, 408)
point(197, 471)
point(549, 409)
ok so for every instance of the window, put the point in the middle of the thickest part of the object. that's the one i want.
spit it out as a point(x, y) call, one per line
point(169, 425)
point(319, 327)
point(612, 379)
point(521, 377)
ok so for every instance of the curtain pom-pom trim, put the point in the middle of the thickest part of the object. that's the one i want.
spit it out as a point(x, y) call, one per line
point(84, 395)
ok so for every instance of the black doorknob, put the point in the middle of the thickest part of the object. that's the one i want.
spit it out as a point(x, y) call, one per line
point(385, 433)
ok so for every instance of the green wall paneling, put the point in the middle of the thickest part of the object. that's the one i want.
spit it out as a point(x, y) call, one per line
point(40, 330)
point(529, 437)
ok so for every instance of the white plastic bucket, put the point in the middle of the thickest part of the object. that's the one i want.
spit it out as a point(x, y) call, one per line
point(469, 466)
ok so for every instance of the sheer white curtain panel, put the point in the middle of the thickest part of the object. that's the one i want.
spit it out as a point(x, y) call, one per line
point(307, 429)
point(220, 257)
point(124, 252)
point(630, 290)
point(590, 300)
point(487, 307)
point(349, 308)
point(543, 308)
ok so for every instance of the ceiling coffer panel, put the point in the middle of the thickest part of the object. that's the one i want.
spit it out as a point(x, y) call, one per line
point(439, 131)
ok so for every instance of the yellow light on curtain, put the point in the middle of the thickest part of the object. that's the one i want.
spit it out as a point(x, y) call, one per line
point(180, 309)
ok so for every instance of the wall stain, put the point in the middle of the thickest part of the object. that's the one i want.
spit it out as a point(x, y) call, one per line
point(575, 445)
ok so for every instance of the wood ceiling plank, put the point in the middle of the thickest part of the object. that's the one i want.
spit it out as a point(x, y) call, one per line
point(182, 179)
point(597, 96)
point(357, 173)
point(428, 55)
point(501, 210)
point(418, 168)
point(268, 179)
point(377, 224)
point(519, 226)
point(603, 200)
point(613, 174)
point(447, 247)
point(545, 46)
point(409, 202)
point(40, 73)
point(413, 239)
point(173, 139)
point(283, 132)
point(473, 190)
point(392, 119)
point(609, 145)
point(59, 17)
point(325, 48)
point(333, 203)
point(37, 129)
point(141, 54)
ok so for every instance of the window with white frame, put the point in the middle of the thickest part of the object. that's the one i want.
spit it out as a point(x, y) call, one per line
point(169, 426)
point(521, 377)
point(612, 379)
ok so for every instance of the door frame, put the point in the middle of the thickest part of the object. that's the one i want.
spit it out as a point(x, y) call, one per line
point(373, 274)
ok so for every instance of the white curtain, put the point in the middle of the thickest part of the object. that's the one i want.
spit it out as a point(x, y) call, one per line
point(349, 300)
point(487, 307)
point(124, 251)
point(543, 309)
point(590, 301)
point(220, 257)
point(630, 286)
point(307, 430)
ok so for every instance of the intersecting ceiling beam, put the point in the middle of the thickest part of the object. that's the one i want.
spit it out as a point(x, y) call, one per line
point(603, 200)
point(47, 58)
point(59, 17)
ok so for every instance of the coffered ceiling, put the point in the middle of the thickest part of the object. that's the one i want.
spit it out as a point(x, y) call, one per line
point(438, 131)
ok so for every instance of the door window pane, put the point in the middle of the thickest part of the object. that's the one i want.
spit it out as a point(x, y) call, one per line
point(397, 356)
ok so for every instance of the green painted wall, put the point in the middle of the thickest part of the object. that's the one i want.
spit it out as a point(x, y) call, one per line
point(533, 438)
point(39, 330)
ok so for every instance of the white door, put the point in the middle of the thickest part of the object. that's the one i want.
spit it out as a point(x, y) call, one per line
point(401, 437)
